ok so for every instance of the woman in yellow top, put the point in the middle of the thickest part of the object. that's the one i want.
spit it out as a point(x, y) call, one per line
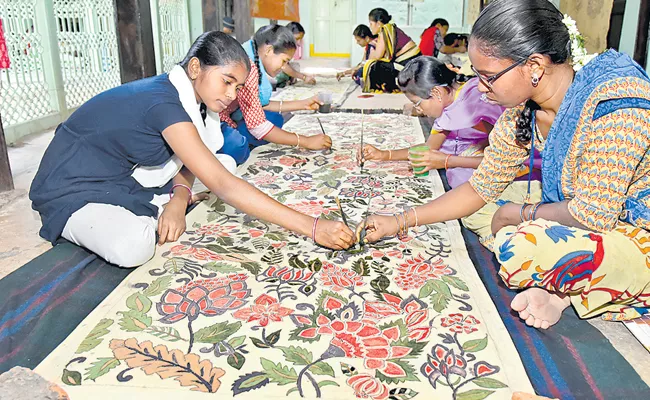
point(586, 243)
point(394, 49)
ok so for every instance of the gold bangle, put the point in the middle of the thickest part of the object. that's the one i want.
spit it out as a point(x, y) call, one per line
point(281, 101)
point(415, 211)
point(390, 155)
point(298, 137)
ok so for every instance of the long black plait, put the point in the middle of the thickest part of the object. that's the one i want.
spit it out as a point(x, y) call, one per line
point(257, 63)
point(525, 127)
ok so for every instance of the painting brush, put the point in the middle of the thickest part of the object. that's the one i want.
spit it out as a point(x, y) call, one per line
point(338, 203)
point(331, 149)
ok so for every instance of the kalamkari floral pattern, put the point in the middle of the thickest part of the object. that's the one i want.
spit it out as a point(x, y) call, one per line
point(246, 309)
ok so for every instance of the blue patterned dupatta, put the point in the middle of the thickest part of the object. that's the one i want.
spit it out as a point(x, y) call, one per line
point(584, 103)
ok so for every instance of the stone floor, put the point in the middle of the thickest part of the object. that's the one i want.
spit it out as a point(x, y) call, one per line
point(20, 242)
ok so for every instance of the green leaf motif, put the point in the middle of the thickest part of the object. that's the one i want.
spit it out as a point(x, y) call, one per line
point(273, 257)
point(476, 345)
point(489, 383)
point(216, 333)
point(217, 249)
point(253, 267)
point(101, 367)
point(380, 284)
point(248, 382)
point(165, 333)
point(236, 342)
point(315, 265)
point(322, 368)
point(259, 343)
point(295, 262)
point(273, 338)
point(135, 321)
point(71, 378)
point(474, 394)
point(278, 373)
point(439, 302)
point(403, 330)
point(327, 383)
point(224, 240)
point(348, 370)
point(441, 287)
point(221, 267)
point(402, 394)
point(325, 294)
point(276, 236)
point(138, 302)
point(219, 205)
point(426, 290)
point(297, 355)
point(294, 389)
point(456, 282)
point(361, 267)
point(158, 286)
point(236, 360)
point(411, 375)
point(94, 338)
point(174, 265)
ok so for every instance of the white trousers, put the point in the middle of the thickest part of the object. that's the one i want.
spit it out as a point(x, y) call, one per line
point(116, 234)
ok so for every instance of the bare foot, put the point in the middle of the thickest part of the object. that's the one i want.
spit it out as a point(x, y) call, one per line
point(540, 308)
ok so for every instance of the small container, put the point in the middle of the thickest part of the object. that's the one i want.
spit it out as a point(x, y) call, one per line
point(326, 99)
point(420, 148)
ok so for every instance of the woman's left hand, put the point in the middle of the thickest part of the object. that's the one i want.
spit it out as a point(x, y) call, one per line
point(171, 224)
point(312, 103)
point(309, 79)
point(431, 160)
point(508, 214)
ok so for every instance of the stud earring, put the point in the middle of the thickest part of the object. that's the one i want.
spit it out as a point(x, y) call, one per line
point(535, 80)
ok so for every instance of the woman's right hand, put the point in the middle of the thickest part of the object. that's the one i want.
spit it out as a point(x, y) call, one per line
point(316, 142)
point(371, 153)
point(334, 235)
point(379, 226)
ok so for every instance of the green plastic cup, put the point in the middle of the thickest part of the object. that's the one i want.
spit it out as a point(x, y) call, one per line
point(417, 170)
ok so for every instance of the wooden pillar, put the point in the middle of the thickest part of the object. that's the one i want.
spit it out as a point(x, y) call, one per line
point(135, 39)
point(243, 21)
point(211, 15)
point(6, 181)
point(643, 28)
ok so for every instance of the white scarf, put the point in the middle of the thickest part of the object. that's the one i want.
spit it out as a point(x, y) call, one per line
point(210, 134)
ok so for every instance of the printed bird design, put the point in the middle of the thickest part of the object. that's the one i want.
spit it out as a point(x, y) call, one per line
point(576, 266)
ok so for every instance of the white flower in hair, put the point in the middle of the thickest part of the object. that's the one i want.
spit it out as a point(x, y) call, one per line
point(578, 51)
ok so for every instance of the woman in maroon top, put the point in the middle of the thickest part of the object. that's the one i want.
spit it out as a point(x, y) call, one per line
point(393, 51)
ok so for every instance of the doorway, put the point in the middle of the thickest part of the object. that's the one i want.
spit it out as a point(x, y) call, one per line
point(332, 27)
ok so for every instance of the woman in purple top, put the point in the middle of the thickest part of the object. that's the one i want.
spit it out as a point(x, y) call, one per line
point(464, 119)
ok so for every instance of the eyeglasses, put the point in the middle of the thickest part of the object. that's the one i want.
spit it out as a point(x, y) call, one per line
point(416, 106)
point(488, 81)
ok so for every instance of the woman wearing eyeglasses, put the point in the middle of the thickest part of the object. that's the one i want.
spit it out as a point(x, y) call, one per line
point(587, 243)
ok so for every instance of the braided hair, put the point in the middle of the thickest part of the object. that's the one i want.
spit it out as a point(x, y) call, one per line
point(424, 73)
point(279, 37)
point(515, 30)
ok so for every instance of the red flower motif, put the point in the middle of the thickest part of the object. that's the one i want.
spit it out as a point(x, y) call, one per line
point(291, 161)
point(265, 310)
point(289, 274)
point(417, 271)
point(208, 297)
point(341, 157)
point(367, 387)
point(457, 323)
point(263, 180)
point(201, 254)
point(255, 233)
point(339, 278)
point(397, 253)
point(312, 207)
point(301, 186)
point(216, 230)
point(442, 362)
